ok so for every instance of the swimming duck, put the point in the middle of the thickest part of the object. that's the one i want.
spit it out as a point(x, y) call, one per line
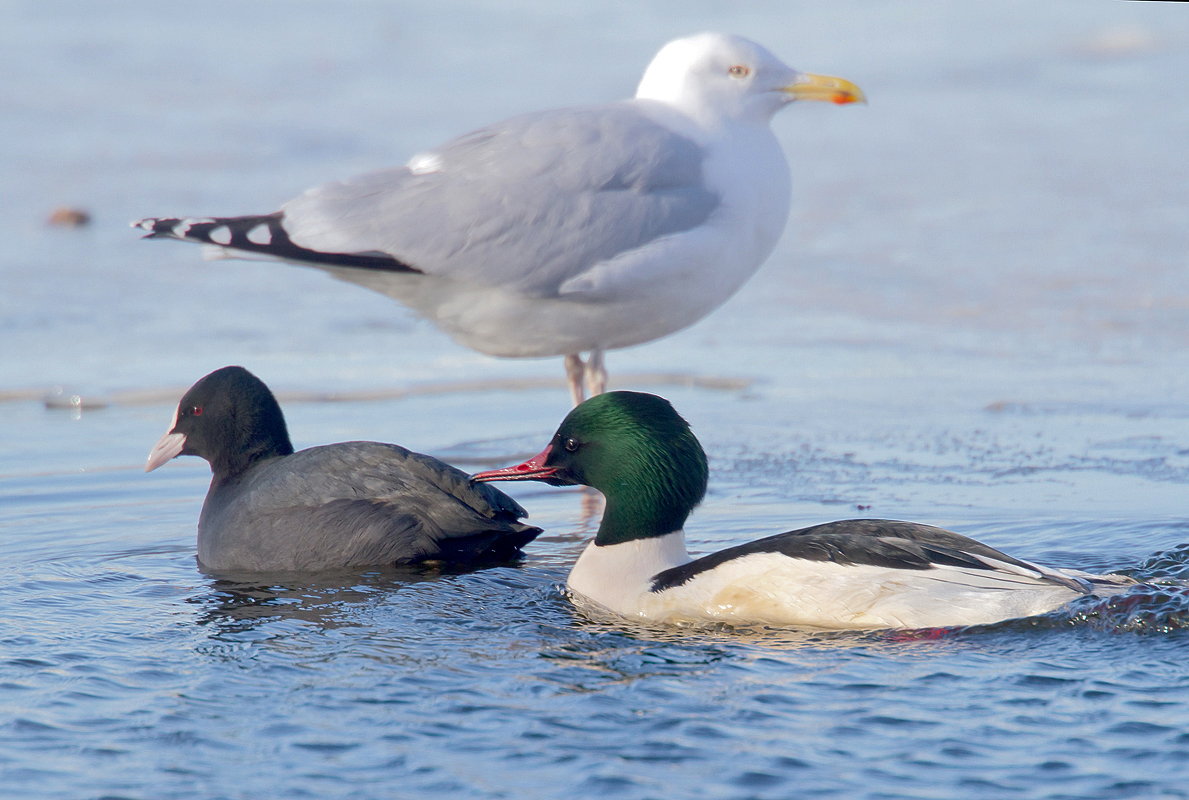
point(565, 231)
point(351, 504)
point(860, 573)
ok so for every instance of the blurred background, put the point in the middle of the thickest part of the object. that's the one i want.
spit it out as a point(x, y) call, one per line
point(977, 318)
point(1000, 231)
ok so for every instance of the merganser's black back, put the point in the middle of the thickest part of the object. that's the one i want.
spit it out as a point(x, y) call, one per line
point(874, 543)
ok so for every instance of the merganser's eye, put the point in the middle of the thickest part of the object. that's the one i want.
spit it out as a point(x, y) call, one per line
point(196, 411)
point(570, 444)
point(739, 71)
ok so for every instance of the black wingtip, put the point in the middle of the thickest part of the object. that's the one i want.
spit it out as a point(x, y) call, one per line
point(261, 236)
point(157, 227)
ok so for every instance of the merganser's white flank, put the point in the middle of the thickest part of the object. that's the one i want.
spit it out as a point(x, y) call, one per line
point(573, 230)
point(643, 457)
point(350, 504)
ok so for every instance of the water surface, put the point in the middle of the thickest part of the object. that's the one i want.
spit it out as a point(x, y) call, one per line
point(977, 319)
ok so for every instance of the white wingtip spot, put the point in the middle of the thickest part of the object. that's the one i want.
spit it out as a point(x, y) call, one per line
point(425, 163)
point(221, 234)
point(144, 224)
point(260, 235)
point(214, 252)
point(183, 226)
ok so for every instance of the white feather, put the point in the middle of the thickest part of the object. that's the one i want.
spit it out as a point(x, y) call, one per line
point(775, 589)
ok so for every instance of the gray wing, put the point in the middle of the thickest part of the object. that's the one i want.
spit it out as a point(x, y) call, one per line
point(357, 504)
point(525, 204)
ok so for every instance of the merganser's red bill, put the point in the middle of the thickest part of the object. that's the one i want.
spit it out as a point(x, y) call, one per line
point(532, 470)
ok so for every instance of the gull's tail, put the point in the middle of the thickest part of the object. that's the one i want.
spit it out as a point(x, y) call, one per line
point(259, 237)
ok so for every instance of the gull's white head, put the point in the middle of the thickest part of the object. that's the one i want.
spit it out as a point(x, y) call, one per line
point(716, 76)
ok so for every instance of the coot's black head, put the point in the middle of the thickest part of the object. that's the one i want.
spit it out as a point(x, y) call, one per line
point(231, 419)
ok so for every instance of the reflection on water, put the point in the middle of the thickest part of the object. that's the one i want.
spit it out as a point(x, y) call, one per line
point(976, 319)
point(326, 600)
point(121, 655)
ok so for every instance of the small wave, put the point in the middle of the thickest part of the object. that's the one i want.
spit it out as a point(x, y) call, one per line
point(1171, 563)
point(1146, 608)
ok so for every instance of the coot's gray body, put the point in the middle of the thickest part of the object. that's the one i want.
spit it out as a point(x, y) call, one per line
point(354, 504)
point(350, 504)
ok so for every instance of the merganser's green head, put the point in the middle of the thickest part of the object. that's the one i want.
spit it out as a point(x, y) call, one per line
point(637, 451)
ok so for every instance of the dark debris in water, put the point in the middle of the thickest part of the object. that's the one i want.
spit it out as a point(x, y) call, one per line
point(67, 217)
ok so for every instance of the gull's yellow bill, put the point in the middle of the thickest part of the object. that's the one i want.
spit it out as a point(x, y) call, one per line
point(825, 88)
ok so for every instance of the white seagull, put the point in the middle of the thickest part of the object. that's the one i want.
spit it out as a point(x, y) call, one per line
point(566, 231)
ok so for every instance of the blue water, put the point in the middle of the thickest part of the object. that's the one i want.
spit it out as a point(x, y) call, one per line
point(978, 318)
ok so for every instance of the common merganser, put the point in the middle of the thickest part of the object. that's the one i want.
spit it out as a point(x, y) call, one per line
point(860, 573)
point(566, 231)
point(351, 504)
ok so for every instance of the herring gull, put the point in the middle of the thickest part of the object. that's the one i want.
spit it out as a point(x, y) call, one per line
point(567, 231)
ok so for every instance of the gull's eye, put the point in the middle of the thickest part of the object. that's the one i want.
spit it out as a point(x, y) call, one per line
point(739, 71)
point(196, 411)
point(570, 445)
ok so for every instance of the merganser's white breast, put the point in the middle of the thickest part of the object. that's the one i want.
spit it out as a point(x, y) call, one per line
point(776, 589)
point(857, 573)
point(617, 576)
point(643, 579)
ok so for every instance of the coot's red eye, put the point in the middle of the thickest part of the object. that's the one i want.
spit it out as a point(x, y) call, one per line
point(197, 411)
